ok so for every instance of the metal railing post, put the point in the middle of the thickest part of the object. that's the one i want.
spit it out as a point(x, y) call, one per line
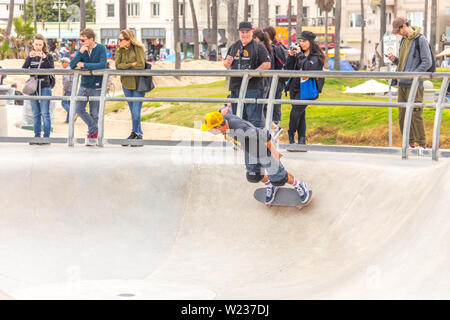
point(437, 119)
point(73, 108)
point(408, 117)
point(272, 93)
point(242, 94)
point(101, 114)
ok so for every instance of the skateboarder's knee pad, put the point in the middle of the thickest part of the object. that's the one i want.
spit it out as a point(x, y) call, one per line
point(280, 183)
point(254, 177)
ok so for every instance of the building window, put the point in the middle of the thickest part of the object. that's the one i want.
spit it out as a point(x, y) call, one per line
point(181, 9)
point(416, 18)
point(7, 7)
point(155, 9)
point(355, 20)
point(447, 11)
point(21, 7)
point(133, 9)
point(110, 10)
point(305, 12)
point(250, 9)
point(388, 19)
point(277, 9)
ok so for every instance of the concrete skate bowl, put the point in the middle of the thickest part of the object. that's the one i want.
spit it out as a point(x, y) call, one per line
point(138, 223)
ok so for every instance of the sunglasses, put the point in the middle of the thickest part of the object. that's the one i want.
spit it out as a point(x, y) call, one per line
point(123, 39)
point(83, 40)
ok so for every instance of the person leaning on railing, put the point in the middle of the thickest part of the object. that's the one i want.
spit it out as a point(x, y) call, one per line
point(307, 56)
point(40, 58)
point(131, 56)
point(91, 56)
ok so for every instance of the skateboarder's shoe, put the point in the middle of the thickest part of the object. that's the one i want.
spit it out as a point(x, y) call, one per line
point(270, 195)
point(303, 191)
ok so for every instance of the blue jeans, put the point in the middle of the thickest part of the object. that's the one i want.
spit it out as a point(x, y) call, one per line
point(253, 112)
point(135, 109)
point(91, 118)
point(41, 109)
point(66, 104)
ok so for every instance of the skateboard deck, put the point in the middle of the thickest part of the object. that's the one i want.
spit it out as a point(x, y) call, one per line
point(284, 197)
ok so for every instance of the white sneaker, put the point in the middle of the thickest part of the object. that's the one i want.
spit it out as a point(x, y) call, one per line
point(303, 191)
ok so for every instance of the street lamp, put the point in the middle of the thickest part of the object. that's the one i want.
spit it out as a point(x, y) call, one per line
point(59, 5)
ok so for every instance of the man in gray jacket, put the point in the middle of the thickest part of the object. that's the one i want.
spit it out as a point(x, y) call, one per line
point(414, 56)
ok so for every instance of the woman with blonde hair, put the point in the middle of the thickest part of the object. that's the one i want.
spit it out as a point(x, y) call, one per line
point(40, 58)
point(130, 56)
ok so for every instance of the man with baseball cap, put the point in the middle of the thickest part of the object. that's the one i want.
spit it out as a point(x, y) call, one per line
point(262, 159)
point(248, 54)
point(414, 56)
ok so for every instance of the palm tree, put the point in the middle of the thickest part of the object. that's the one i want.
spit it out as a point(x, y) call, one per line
point(382, 28)
point(433, 18)
point(195, 25)
point(82, 15)
point(245, 10)
point(122, 14)
point(425, 19)
point(25, 11)
point(24, 33)
point(263, 14)
point(299, 17)
point(214, 24)
point(232, 21)
point(337, 37)
point(363, 36)
point(34, 15)
point(10, 19)
point(208, 10)
point(184, 30)
point(176, 33)
point(289, 14)
point(325, 6)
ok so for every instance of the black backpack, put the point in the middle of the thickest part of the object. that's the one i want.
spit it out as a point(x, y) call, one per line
point(280, 54)
point(433, 59)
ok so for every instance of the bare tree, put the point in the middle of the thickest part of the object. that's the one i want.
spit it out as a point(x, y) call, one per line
point(214, 23)
point(337, 37)
point(245, 10)
point(325, 6)
point(10, 19)
point(433, 18)
point(184, 30)
point(176, 33)
point(363, 37)
point(289, 14)
point(195, 26)
point(425, 20)
point(82, 15)
point(299, 18)
point(382, 28)
point(263, 14)
point(122, 14)
point(232, 21)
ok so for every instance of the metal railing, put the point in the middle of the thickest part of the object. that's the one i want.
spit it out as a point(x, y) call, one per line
point(241, 100)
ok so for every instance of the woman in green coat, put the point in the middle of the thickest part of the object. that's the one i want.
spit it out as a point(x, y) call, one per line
point(130, 56)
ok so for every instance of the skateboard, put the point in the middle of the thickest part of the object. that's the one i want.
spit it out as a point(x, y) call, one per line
point(285, 197)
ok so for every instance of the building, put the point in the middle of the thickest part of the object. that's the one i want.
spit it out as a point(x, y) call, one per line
point(4, 9)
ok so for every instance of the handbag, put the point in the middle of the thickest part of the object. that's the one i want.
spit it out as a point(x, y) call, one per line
point(145, 83)
point(308, 89)
point(31, 85)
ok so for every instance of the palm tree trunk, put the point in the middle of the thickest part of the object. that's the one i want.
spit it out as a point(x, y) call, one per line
point(337, 37)
point(25, 11)
point(195, 26)
point(395, 8)
point(326, 33)
point(10, 19)
point(184, 30)
point(214, 24)
point(299, 18)
point(123, 14)
point(176, 33)
point(425, 20)
point(433, 18)
point(363, 36)
point(231, 21)
point(82, 15)
point(208, 38)
point(245, 10)
point(289, 13)
point(382, 28)
point(34, 15)
point(263, 13)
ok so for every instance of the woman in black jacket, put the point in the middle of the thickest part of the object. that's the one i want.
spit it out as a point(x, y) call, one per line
point(39, 57)
point(308, 56)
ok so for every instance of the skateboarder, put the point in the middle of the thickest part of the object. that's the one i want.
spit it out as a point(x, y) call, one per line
point(262, 159)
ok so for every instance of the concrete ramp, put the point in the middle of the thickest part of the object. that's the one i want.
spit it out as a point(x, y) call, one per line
point(171, 223)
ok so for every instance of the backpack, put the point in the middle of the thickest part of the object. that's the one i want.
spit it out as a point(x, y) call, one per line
point(433, 59)
point(280, 56)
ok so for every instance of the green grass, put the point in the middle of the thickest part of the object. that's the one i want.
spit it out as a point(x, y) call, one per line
point(325, 124)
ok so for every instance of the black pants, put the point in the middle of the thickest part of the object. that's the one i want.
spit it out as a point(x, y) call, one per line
point(297, 122)
point(276, 117)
